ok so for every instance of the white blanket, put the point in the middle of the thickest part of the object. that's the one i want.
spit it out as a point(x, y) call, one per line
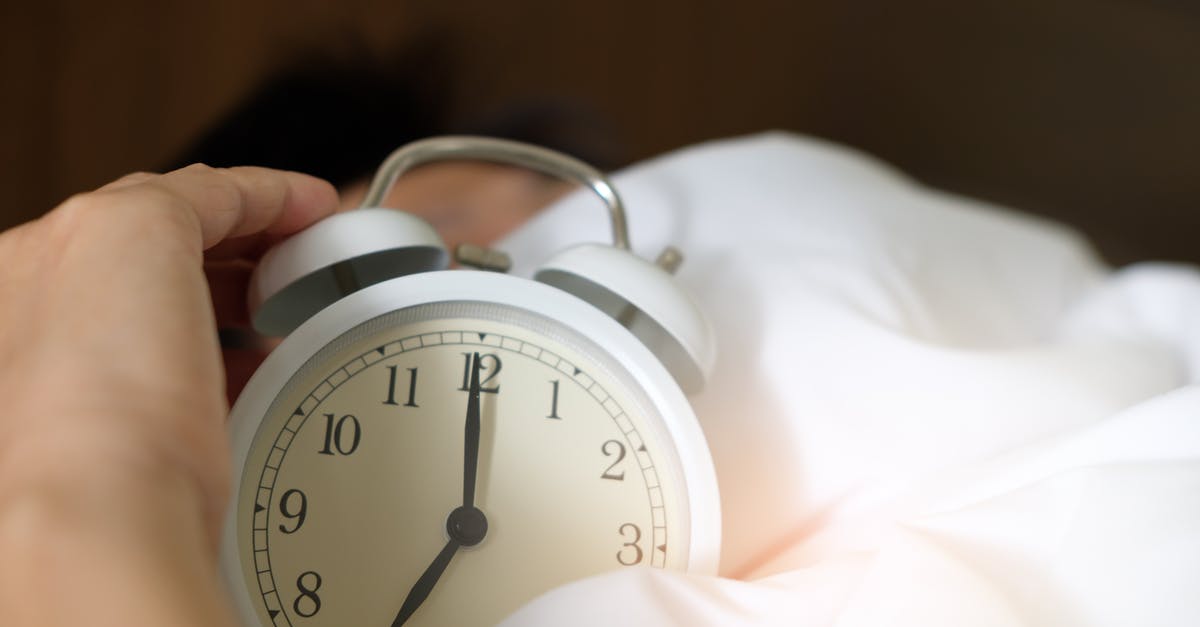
point(926, 410)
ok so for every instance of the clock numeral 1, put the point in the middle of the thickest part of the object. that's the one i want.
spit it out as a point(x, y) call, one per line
point(412, 387)
point(491, 371)
point(336, 434)
point(629, 558)
point(620, 453)
point(310, 609)
point(554, 402)
point(299, 512)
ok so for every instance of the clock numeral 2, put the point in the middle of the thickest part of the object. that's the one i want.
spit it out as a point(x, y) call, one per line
point(620, 453)
point(412, 387)
point(491, 371)
point(314, 604)
point(629, 558)
point(336, 434)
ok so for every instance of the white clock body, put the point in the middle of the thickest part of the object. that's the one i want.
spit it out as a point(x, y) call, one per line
point(348, 456)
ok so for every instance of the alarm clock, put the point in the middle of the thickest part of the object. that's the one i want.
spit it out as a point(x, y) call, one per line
point(433, 446)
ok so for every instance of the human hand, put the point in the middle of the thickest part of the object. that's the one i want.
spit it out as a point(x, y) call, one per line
point(113, 453)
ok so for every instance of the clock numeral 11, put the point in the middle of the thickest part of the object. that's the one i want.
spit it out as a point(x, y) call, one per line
point(412, 387)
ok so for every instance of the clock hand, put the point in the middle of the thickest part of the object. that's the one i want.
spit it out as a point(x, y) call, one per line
point(471, 444)
point(466, 525)
point(420, 590)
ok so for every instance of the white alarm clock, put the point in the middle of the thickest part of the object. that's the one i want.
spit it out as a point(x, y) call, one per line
point(438, 447)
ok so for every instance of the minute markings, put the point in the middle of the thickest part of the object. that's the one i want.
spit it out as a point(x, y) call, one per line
point(398, 386)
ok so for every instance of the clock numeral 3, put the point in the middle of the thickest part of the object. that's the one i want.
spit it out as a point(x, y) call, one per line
point(620, 453)
point(298, 513)
point(337, 433)
point(314, 604)
point(490, 370)
point(412, 387)
point(630, 558)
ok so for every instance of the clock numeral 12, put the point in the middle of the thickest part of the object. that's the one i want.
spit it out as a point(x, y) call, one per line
point(492, 371)
point(334, 432)
point(412, 387)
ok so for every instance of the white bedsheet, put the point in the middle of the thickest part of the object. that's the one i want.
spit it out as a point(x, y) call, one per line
point(926, 410)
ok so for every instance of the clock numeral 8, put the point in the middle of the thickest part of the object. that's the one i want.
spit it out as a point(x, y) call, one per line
point(336, 434)
point(307, 593)
point(629, 558)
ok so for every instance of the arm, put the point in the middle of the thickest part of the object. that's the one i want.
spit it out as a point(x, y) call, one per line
point(113, 458)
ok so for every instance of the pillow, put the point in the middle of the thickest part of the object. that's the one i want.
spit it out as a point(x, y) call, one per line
point(926, 410)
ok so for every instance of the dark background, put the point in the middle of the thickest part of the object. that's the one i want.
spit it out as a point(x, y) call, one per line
point(1083, 110)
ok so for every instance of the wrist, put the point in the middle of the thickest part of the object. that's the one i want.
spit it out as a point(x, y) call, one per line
point(86, 542)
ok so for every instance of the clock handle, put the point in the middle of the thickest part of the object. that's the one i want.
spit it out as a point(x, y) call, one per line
point(504, 151)
point(640, 295)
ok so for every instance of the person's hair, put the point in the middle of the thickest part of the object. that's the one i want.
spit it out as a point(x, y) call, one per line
point(338, 119)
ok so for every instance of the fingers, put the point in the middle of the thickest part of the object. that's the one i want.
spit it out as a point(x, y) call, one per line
point(127, 180)
point(228, 202)
point(235, 202)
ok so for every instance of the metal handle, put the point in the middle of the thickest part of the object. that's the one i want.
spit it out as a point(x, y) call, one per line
point(503, 151)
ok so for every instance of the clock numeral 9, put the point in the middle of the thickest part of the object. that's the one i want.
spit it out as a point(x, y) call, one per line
point(630, 558)
point(298, 513)
point(314, 604)
point(412, 387)
point(337, 433)
point(620, 453)
point(491, 372)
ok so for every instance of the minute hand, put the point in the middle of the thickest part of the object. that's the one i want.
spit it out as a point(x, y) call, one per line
point(471, 443)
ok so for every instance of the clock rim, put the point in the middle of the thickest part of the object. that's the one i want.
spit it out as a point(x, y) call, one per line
point(679, 420)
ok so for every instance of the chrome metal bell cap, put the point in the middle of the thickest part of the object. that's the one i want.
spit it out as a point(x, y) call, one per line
point(335, 257)
point(644, 298)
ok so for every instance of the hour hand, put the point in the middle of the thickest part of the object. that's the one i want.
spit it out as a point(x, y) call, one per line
point(420, 590)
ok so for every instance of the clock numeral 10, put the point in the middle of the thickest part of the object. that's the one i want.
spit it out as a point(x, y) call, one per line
point(338, 432)
point(634, 556)
point(492, 371)
point(310, 609)
point(412, 387)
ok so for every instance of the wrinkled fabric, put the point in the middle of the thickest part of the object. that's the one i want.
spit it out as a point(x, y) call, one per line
point(926, 410)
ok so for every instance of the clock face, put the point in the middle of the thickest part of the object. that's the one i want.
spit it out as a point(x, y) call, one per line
point(355, 470)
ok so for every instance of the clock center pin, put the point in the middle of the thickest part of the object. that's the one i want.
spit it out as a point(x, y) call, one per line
point(467, 525)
